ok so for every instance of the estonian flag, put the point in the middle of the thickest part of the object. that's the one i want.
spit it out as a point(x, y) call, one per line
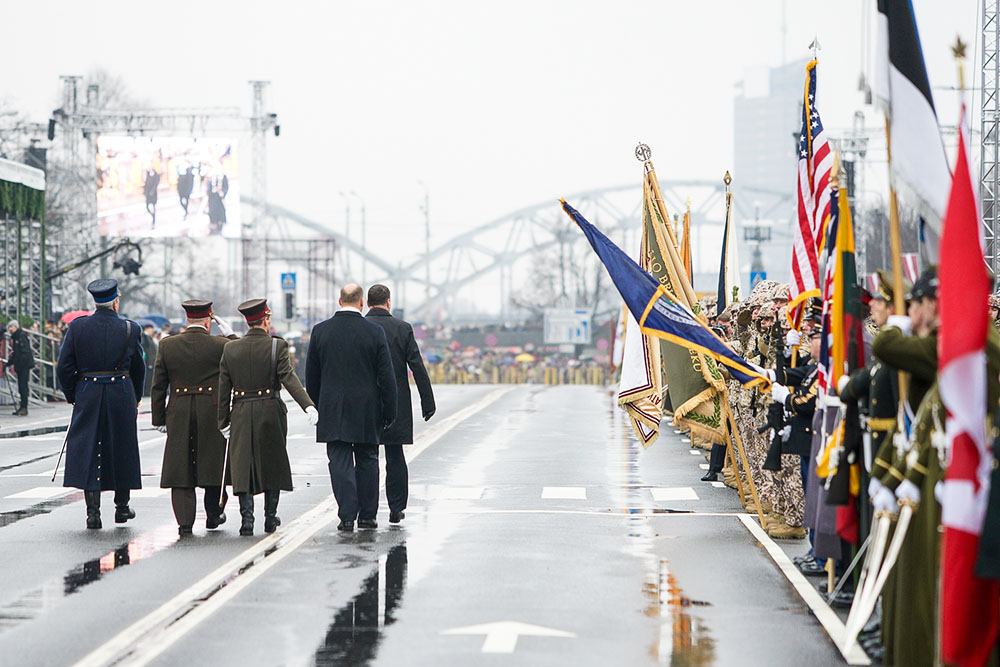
point(919, 163)
point(657, 312)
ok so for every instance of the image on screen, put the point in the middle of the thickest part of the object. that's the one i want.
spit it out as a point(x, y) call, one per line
point(170, 186)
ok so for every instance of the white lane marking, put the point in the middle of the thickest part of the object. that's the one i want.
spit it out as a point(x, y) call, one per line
point(178, 616)
point(685, 439)
point(501, 636)
point(674, 493)
point(564, 493)
point(703, 466)
point(149, 492)
point(719, 485)
point(694, 452)
point(854, 654)
point(437, 492)
point(42, 492)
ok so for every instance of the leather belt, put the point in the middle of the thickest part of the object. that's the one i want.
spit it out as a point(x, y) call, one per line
point(104, 377)
point(241, 395)
point(881, 423)
point(188, 391)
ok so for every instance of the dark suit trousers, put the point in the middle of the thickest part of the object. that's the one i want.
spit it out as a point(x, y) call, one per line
point(354, 477)
point(397, 481)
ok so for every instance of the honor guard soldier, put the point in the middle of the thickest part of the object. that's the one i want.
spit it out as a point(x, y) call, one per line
point(101, 370)
point(184, 406)
point(252, 371)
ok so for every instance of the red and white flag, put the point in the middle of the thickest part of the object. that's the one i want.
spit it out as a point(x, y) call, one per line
point(969, 605)
point(815, 163)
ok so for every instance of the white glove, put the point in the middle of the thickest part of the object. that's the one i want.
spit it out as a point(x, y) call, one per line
point(793, 338)
point(224, 327)
point(161, 429)
point(907, 490)
point(779, 392)
point(785, 432)
point(312, 416)
point(885, 501)
point(769, 374)
point(873, 487)
point(225, 431)
point(842, 382)
point(902, 322)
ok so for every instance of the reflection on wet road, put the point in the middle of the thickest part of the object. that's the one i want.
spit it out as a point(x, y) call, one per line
point(357, 628)
point(32, 604)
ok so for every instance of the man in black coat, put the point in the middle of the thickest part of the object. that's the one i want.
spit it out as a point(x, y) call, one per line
point(404, 352)
point(349, 377)
point(22, 360)
point(101, 372)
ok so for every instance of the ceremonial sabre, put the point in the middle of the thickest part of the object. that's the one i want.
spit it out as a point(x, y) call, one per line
point(869, 571)
point(61, 452)
point(222, 484)
point(905, 513)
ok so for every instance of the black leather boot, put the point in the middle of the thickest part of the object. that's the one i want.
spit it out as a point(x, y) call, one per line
point(271, 520)
point(93, 500)
point(122, 511)
point(246, 512)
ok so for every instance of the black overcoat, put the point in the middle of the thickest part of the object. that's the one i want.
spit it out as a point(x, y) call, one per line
point(349, 375)
point(102, 447)
point(404, 353)
point(799, 408)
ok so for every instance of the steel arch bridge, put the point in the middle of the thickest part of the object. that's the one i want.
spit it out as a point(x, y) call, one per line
point(489, 258)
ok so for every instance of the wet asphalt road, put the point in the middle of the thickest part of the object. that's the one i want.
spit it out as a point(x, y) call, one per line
point(528, 505)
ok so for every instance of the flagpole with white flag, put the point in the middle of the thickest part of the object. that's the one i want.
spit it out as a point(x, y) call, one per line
point(970, 617)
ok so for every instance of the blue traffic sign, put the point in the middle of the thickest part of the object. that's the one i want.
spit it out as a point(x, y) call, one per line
point(287, 282)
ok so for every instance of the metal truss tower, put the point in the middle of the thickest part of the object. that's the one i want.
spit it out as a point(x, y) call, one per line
point(989, 183)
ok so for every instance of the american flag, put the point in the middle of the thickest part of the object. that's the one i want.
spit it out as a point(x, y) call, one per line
point(815, 164)
point(825, 361)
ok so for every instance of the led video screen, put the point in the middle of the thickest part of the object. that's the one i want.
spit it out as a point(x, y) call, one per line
point(171, 186)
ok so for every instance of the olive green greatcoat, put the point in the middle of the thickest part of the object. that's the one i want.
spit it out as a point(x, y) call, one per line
point(916, 355)
point(918, 568)
point(195, 449)
point(257, 456)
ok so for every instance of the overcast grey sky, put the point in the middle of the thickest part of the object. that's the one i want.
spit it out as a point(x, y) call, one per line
point(494, 105)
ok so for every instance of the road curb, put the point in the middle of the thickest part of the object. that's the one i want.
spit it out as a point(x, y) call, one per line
point(41, 430)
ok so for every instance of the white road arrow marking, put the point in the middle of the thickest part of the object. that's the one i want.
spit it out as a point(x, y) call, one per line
point(501, 636)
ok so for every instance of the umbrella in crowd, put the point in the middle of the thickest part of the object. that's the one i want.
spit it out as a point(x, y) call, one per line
point(73, 314)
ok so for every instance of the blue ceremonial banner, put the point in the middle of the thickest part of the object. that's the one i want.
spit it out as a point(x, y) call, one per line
point(657, 313)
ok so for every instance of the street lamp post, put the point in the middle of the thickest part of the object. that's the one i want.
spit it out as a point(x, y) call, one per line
point(347, 234)
point(426, 208)
point(364, 240)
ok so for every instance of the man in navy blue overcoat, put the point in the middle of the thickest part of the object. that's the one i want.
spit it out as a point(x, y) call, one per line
point(101, 371)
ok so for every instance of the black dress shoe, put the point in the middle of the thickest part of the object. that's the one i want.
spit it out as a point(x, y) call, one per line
point(396, 517)
point(215, 520)
point(367, 523)
point(123, 514)
point(346, 526)
point(811, 568)
point(710, 477)
point(184, 530)
point(842, 600)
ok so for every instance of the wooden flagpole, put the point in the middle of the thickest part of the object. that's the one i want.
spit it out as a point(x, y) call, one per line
point(731, 424)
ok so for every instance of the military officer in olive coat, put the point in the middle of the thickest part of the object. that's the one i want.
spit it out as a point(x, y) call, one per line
point(251, 373)
point(187, 371)
point(101, 372)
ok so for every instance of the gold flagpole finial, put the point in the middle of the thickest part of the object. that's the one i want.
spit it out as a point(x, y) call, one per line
point(958, 50)
point(727, 179)
point(835, 170)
